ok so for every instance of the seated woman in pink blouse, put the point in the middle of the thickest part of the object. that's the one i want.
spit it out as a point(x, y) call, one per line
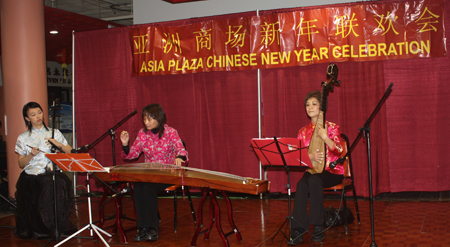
point(161, 144)
point(313, 184)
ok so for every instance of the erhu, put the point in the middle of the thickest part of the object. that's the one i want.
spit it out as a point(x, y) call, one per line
point(55, 148)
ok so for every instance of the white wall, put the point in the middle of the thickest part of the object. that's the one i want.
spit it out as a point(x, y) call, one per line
point(150, 11)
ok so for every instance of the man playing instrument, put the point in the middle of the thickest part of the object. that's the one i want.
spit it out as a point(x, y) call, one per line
point(313, 184)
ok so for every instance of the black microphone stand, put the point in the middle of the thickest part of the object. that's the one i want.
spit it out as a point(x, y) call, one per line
point(111, 132)
point(365, 131)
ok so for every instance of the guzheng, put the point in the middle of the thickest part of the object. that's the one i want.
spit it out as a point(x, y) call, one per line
point(188, 176)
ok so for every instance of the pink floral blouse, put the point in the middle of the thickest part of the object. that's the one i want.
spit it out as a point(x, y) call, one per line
point(305, 135)
point(163, 150)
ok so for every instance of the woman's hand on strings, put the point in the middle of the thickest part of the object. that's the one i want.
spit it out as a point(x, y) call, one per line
point(318, 156)
point(179, 161)
point(62, 148)
point(55, 142)
point(322, 132)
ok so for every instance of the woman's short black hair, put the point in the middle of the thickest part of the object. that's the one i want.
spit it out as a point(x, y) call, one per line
point(26, 107)
point(156, 112)
point(313, 94)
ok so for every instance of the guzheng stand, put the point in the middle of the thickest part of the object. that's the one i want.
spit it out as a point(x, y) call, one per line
point(118, 216)
point(214, 213)
point(275, 153)
point(214, 182)
point(81, 163)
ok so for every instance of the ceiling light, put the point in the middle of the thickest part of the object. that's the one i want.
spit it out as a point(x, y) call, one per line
point(54, 31)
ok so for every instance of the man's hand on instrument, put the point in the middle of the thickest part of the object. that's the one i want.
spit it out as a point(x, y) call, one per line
point(124, 138)
point(178, 161)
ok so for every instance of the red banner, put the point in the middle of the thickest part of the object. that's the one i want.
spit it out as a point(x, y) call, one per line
point(355, 32)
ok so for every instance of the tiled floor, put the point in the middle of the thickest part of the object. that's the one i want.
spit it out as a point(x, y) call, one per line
point(402, 219)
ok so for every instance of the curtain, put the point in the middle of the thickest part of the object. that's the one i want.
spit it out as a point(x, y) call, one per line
point(216, 115)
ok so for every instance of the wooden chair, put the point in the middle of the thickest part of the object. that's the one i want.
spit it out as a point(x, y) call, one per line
point(347, 183)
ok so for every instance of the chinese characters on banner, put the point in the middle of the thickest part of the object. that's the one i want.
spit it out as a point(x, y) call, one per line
point(356, 32)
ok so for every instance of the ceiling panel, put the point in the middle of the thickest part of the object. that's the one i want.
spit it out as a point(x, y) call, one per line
point(66, 22)
point(100, 9)
point(82, 15)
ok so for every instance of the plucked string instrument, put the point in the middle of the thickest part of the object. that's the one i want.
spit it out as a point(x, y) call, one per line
point(316, 142)
point(187, 176)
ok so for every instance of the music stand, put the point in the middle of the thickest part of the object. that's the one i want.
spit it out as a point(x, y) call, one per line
point(82, 162)
point(286, 152)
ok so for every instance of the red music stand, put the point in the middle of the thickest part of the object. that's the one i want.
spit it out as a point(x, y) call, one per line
point(81, 162)
point(286, 152)
point(281, 152)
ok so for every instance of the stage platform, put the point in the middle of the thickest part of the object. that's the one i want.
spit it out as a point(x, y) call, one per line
point(401, 219)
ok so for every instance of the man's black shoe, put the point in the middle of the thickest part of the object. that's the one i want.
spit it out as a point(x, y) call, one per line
point(296, 236)
point(318, 234)
point(152, 235)
point(141, 235)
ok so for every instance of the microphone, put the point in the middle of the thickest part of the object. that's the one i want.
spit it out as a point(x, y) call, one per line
point(336, 162)
point(125, 190)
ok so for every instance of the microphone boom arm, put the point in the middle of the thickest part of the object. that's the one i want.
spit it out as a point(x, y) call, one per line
point(88, 147)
